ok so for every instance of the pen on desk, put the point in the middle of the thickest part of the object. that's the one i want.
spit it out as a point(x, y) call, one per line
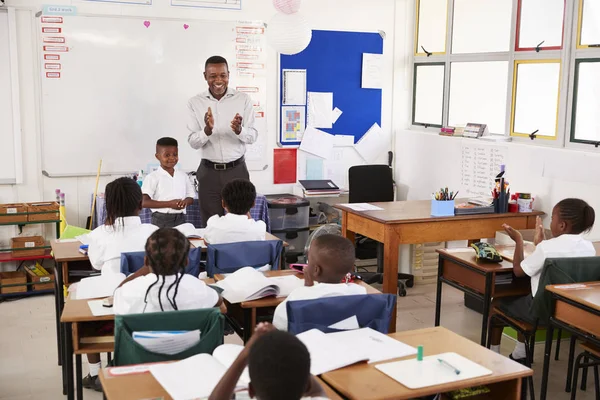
point(447, 364)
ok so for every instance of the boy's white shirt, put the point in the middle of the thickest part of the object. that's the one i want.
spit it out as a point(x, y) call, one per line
point(192, 293)
point(317, 291)
point(232, 228)
point(564, 246)
point(161, 186)
point(106, 243)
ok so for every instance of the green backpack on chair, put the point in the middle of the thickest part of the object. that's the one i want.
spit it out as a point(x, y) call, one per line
point(209, 321)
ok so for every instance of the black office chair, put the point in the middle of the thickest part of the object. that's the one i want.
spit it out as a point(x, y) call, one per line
point(370, 184)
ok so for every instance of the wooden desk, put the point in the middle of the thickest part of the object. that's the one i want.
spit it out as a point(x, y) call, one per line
point(576, 309)
point(365, 382)
point(144, 386)
point(460, 269)
point(410, 222)
point(245, 314)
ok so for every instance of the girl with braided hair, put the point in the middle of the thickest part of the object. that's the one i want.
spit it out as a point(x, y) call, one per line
point(166, 287)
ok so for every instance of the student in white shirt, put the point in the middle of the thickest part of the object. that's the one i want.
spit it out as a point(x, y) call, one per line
point(167, 191)
point(330, 259)
point(278, 365)
point(570, 219)
point(237, 225)
point(165, 287)
point(122, 231)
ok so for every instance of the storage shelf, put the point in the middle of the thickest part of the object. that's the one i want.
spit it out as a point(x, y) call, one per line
point(48, 221)
point(23, 294)
point(7, 257)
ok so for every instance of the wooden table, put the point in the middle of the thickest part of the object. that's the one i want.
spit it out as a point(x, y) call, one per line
point(460, 269)
point(576, 309)
point(410, 222)
point(144, 386)
point(245, 313)
point(365, 382)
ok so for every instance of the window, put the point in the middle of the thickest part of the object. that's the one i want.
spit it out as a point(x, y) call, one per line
point(428, 94)
point(481, 26)
point(540, 23)
point(478, 93)
point(535, 104)
point(431, 26)
point(589, 23)
point(585, 123)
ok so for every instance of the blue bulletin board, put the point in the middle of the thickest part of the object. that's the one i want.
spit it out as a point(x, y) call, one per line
point(333, 63)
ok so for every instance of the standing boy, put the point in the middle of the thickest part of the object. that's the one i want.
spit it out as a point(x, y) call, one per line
point(167, 191)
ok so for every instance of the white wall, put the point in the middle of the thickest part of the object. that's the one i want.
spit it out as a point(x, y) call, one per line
point(354, 15)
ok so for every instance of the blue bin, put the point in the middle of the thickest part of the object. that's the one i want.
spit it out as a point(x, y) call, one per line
point(442, 208)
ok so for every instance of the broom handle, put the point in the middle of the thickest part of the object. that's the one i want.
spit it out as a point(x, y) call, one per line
point(95, 194)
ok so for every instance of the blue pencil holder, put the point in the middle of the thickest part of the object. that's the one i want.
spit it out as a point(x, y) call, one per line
point(442, 208)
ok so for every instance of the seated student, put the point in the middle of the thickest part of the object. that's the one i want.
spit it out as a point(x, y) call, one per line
point(570, 218)
point(122, 231)
point(165, 287)
point(167, 191)
point(330, 259)
point(237, 225)
point(279, 368)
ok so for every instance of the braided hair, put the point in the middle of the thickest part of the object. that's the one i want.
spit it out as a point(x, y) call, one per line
point(239, 196)
point(578, 214)
point(167, 251)
point(123, 199)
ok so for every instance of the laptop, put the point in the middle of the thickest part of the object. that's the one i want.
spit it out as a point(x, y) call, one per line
point(318, 185)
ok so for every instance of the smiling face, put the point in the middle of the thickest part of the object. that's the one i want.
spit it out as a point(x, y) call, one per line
point(217, 77)
point(167, 156)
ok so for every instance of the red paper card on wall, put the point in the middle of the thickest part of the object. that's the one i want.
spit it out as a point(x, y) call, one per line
point(284, 165)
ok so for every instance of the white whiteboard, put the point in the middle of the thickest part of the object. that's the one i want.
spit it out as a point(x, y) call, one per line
point(125, 82)
point(8, 156)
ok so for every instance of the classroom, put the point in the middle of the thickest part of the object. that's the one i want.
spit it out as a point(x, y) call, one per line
point(413, 180)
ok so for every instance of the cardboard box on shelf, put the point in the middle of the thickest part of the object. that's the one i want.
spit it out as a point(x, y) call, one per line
point(40, 282)
point(14, 212)
point(12, 278)
point(27, 246)
point(48, 209)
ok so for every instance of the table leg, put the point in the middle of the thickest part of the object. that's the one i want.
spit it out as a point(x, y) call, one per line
point(487, 299)
point(78, 373)
point(68, 361)
point(247, 324)
point(345, 232)
point(391, 252)
point(57, 314)
point(547, 355)
point(63, 340)
point(438, 296)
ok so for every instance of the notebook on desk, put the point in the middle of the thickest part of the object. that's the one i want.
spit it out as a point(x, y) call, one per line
point(319, 184)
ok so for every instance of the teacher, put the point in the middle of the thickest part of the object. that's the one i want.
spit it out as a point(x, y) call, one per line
point(221, 124)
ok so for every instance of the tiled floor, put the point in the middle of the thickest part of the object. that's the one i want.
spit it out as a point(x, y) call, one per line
point(28, 367)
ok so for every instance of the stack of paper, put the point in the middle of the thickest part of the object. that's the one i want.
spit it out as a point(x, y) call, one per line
point(98, 286)
point(167, 342)
point(248, 284)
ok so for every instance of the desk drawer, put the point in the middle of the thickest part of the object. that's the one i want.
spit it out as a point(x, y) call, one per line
point(578, 318)
point(463, 276)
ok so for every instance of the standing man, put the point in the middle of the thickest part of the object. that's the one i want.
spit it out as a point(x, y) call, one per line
point(221, 124)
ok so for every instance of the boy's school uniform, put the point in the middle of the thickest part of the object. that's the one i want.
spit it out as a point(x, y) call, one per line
point(161, 186)
point(317, 291)
point(232, 228)
point(106, 243)
point(564, 246)
point(192, 294)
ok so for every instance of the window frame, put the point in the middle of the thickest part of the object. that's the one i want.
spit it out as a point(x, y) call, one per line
point(414, 95)
point(518, 28)
point(573, 105)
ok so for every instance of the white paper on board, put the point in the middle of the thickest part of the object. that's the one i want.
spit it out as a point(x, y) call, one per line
point(294, 87)
point(372, 71)
point(343, 141)
point(373, 143)
point(335, 115)
point(320, 106)
point(317, 142)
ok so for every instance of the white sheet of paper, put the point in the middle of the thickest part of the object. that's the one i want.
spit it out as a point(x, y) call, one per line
point(346, 324)
point(190, 231)
point(362, 207)
point(226, 355)
point(373, 143)
point(287, 284)
point(294, 87)
point(320, 106)
point(98, 309)
point(335, 115)
point(343, 141)
point(430, 372)
point(372, 71)
point(167, 342)
point(317, 142)
point(98, 286)
point(378, 347)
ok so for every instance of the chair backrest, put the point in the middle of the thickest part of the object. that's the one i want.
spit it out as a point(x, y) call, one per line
point(558, 271)
point(132, 261)
point(370, 183)
point(209, 321)
point(372, 311)
point(229, 257)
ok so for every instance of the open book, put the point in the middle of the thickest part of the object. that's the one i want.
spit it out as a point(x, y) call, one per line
point(98, 286)
point(247, 284)
point(181, 379)
point(190, 231)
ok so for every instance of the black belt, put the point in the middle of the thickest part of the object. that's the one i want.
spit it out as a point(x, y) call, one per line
point(223, 166)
